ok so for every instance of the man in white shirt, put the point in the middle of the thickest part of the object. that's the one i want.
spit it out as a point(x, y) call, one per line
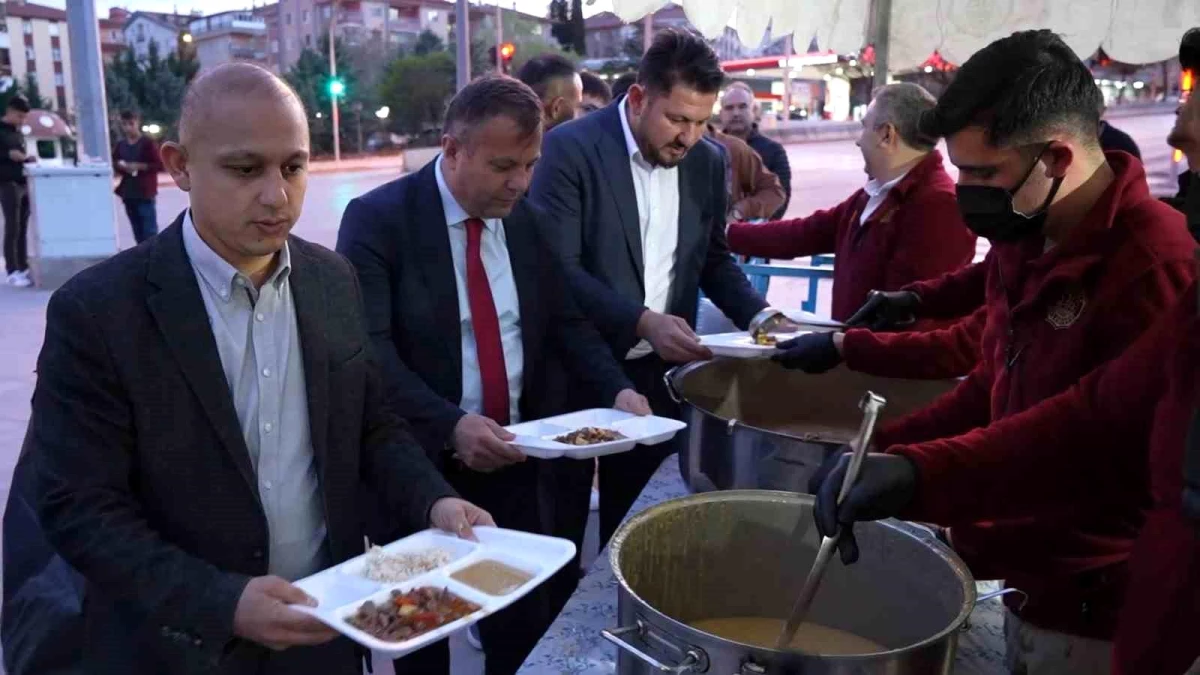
point(470, 315)
point(638, 206)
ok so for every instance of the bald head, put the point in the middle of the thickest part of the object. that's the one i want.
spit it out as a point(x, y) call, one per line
point(242, 159)
point(211, 95)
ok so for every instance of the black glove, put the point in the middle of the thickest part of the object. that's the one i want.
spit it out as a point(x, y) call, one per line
point(885, 485)
point(813, 353)
point(885, 310)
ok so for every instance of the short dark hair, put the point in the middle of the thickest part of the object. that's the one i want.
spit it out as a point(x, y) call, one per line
point(543, 69)
point(621, 85)
point(129, 116)
point(492, 96)
point(680, 57)
point(1021, 88)
point(18, 103)
point(595, 87)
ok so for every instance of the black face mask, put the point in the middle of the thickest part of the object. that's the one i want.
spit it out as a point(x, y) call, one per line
point(990, 213)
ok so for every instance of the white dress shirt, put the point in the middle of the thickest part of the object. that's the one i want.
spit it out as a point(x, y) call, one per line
point(493, 248)
point(877, 193)
point(657, 191)
point(259, 345)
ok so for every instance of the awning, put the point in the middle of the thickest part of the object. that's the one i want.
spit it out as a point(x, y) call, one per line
point(1133, 31)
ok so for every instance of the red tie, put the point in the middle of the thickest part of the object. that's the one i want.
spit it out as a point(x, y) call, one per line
point(486, 324)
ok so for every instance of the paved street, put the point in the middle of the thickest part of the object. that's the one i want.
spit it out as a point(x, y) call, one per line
point(823, 174)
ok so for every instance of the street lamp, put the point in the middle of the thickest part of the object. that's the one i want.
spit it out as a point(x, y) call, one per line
point(383, 112)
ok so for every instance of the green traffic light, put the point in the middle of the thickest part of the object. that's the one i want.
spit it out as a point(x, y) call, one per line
point(337, 87)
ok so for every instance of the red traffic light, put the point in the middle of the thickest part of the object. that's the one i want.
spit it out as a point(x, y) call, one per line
point(507, 51)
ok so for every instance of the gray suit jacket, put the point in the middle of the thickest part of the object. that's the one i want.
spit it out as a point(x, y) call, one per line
point(147, 488)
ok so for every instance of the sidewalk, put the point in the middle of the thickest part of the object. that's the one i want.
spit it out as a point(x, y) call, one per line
point(326, 166)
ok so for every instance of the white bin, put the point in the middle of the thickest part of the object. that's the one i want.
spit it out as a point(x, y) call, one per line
point(72, 223)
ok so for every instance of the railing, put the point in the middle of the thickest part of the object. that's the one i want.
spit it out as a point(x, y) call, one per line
point(760, 273)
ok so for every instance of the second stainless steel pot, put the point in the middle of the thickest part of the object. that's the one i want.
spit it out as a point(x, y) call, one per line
point(753, 424)
point(728, 554)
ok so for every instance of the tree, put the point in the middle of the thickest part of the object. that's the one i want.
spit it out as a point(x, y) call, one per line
point(33, 94)
point(427, 43)
point(152, 87)
point(568, 28)
point(309, 76)
point(525, 34)
point(416, 89)
point(635, 44)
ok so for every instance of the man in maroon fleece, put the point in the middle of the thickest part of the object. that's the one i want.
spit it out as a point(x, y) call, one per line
point(901, 227)
point(1084, 260)
point(136, 160)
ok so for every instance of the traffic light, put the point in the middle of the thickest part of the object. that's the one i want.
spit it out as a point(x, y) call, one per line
point(336, 87)
point(507, 51)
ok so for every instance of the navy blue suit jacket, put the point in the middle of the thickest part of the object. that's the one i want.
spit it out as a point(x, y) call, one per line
point(397, 238)
point(584, 183)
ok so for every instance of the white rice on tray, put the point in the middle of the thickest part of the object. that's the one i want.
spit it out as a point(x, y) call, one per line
point(391, 568)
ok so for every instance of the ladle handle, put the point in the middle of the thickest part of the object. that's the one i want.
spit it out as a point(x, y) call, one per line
point(871, 405)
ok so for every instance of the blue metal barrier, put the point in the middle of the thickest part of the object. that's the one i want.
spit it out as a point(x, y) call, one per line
point(760, 276)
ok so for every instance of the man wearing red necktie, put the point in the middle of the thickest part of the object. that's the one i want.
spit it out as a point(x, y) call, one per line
point(469, 311)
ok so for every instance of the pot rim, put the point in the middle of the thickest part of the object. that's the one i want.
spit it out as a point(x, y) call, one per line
point(679, 371)
point(942, 551)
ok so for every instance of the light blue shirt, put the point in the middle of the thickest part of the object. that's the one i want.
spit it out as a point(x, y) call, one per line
point(493, 249)
point(259, 345)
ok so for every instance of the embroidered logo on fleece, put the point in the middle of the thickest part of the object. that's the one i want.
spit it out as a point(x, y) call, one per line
point(1067, 310)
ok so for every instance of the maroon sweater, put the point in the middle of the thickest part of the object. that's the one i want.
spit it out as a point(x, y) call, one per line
point(1051, 319)
point(145, 184)
point(917, 233)
point(1113, 445)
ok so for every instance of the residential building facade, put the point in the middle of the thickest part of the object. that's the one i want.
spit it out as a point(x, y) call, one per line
point(112, 33)
point(229, 36)
point(143, 28)
point(297, 25)
point(38, 46)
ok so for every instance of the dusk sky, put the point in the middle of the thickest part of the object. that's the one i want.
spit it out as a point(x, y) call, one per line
point(213, 6)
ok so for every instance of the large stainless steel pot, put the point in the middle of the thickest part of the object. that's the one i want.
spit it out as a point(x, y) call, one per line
point(723, 554)
point(753, 424)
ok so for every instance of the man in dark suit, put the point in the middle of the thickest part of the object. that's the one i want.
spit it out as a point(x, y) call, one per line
point(638, 206)
point(207, 407)
point(468, 307)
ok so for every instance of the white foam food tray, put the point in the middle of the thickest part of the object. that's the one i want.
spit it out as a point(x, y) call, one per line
point(536, 438)
point(341, 589)
point(742, 346)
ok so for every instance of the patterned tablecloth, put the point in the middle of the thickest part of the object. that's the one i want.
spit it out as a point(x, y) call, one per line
point(573, 643)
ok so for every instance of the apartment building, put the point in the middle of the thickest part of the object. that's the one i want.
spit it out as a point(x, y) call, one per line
point(229, 36)
point(37, 38)
point(167, 30)
point(299, 24)
point(112, 33)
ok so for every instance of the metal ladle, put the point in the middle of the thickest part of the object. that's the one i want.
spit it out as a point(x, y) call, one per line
point(871, 404)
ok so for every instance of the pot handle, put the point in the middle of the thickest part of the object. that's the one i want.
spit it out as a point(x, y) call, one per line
point(669, 381)
point(694, 660)
point(1002, 592)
